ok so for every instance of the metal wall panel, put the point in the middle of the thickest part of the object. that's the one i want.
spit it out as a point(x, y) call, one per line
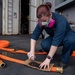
point(10, 17)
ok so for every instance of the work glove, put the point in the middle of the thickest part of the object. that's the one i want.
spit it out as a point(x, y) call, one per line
point(31, 55)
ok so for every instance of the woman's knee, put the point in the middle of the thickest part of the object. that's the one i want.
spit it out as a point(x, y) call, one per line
point(46, 43)
point(45, 46)
point(71, 41)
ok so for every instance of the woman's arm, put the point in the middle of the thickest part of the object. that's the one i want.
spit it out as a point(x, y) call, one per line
point(31, 54)
point(52, 51)
point(34, 38)
point(48, 59)
point(32, 44)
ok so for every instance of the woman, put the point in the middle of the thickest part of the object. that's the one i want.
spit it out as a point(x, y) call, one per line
point(60, 35)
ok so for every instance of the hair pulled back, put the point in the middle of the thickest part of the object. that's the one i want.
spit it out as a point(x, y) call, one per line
point(44, 9)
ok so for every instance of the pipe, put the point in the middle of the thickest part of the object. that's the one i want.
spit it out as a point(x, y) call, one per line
point(24, 52)
point(11, 59)
point(2, 64)
point(7, 49)
point(57, 69)
point(5, 43)
point(54, 69)
point(19, 51)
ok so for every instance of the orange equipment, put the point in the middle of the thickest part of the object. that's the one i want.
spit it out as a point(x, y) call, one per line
point(54, 69)
point(5, 43)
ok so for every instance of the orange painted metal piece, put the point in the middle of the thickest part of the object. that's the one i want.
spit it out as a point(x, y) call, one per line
point(24, 52)
point(7, 49)
point(73, 54)
point(54, 69)
point(57, 69)
point(19, 51)
point(11, 59)
point(5, 43)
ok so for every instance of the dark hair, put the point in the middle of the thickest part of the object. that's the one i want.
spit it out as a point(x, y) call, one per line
point(49, 4)
point(43, 9)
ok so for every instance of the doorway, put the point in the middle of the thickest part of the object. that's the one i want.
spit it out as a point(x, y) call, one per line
point(24, 16)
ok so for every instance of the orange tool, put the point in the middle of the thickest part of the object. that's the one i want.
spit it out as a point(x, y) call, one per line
point(54, 69)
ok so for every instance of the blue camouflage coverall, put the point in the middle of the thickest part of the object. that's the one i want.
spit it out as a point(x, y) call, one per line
point(60, 35)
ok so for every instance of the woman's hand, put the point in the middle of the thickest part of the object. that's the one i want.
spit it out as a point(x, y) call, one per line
point(31, 55)
point(47, 61)
point(45, 64)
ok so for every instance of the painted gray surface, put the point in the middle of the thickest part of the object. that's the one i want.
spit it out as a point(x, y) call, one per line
point(70, 14)
point(57, 2)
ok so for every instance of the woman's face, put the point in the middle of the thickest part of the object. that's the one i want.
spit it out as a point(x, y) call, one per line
point(43, 14)
point(44, 18)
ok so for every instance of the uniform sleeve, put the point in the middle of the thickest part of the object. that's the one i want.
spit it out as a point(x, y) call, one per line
point(59, 32)
point(36, 33)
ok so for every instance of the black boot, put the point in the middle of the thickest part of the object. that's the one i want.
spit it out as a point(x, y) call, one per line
point(64, 65)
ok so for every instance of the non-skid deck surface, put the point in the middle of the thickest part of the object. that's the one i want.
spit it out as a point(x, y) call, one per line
point(22, 42)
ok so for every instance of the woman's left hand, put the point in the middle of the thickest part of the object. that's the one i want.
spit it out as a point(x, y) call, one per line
point(45, 64)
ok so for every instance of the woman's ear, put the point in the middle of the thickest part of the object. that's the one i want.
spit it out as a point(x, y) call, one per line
point(50, 15)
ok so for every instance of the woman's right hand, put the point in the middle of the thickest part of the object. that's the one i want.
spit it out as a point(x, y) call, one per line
point(31, 55)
